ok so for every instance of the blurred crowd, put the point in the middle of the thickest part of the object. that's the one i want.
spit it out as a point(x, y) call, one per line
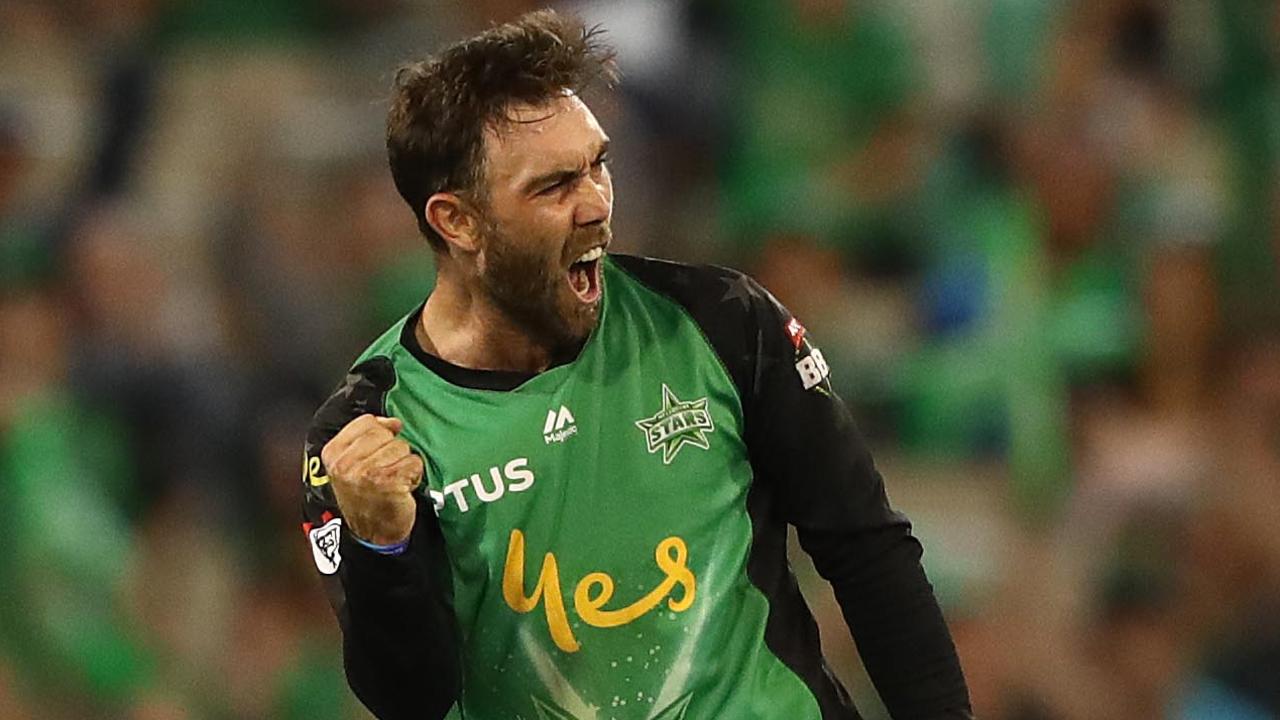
point(1037, 240)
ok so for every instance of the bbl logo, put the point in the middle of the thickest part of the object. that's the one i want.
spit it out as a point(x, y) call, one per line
point(325, 544)
point(677, 423)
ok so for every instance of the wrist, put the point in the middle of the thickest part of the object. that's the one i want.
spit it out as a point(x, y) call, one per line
point(394, 548)
point(383, 543)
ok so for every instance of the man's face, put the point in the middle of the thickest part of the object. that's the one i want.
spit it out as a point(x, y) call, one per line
point(546, 220)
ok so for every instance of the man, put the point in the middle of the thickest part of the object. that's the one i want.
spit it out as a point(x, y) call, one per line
point(560, 488)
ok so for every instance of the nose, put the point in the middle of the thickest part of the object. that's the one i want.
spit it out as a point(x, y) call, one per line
point(595, 203)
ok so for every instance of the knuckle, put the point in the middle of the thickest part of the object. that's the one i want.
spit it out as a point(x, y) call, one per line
point(340, 469)
point(352, 470)
point(378, 474)
point(409, 474)
point(362, 424)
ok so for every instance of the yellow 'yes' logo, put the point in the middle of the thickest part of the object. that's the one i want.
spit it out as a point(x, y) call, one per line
point(594, 591)
point(311, 471)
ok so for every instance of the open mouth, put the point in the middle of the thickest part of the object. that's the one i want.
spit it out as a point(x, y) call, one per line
point(584, 275)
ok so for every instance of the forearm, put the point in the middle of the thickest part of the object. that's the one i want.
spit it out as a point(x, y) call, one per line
point(895, 619)
point(400, 641)
point(400, 644)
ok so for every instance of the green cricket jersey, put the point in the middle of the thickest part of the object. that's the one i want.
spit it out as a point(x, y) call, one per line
point(607, 538)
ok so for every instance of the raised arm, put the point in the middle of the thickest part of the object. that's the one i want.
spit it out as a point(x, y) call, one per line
point(387, 577)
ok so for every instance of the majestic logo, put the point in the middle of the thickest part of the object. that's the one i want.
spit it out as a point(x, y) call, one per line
point(559, 426)
point(677, 423)
point(325, 542)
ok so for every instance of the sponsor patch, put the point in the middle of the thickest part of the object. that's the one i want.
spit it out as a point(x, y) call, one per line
point(813, 369)
point(796, 332)
point(811, 366)
point(312, 472)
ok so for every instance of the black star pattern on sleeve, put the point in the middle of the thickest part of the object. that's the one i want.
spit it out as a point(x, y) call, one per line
point(736, 288)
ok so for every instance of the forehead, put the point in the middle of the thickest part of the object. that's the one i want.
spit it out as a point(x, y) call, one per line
point(563, 131)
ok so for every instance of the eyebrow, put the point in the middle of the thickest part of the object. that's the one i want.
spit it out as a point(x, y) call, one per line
point(560, 174)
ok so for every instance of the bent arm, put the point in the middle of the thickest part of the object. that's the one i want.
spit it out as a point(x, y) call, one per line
point(399, 636)
point(804, 443)
point(891, 610)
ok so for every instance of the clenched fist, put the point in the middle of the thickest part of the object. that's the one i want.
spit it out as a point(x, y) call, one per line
point(374, 473)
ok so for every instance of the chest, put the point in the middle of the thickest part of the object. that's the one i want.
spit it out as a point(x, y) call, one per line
point(637, 441)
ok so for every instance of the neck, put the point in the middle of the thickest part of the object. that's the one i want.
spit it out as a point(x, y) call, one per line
point(460, 325)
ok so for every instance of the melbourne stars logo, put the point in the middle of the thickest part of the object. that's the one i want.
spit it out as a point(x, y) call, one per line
point(677, 423)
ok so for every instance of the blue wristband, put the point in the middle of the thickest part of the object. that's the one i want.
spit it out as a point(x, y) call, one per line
point(396, 549)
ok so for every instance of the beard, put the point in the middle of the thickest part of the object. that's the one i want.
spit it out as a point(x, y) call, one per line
point(526, 280)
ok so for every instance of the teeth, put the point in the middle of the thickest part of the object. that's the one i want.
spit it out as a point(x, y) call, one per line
point(592, 254)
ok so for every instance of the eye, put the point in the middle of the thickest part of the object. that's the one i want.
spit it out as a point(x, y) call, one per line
point(554, 187)
point(602, 161)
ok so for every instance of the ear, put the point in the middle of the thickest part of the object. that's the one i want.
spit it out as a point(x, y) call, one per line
point(451, 217)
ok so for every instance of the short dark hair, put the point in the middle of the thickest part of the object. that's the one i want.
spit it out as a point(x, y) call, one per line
point(440, 107)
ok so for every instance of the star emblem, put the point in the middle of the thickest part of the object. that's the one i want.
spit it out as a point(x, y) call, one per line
point(736, 288)
point(677, 424)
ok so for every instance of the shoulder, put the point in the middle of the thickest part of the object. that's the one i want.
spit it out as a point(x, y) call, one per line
point(736, 315)
point(363, 391)
point(709, 293)
point(364, 388)
point(389, 343)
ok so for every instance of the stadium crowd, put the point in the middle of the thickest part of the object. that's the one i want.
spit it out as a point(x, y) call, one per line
point(1038, 242)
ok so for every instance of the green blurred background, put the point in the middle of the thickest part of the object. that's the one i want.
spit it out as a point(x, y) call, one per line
point(1037, 241)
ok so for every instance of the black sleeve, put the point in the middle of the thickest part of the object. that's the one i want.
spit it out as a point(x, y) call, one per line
point(400, 640)
point(818, 476)
point(803, 442)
